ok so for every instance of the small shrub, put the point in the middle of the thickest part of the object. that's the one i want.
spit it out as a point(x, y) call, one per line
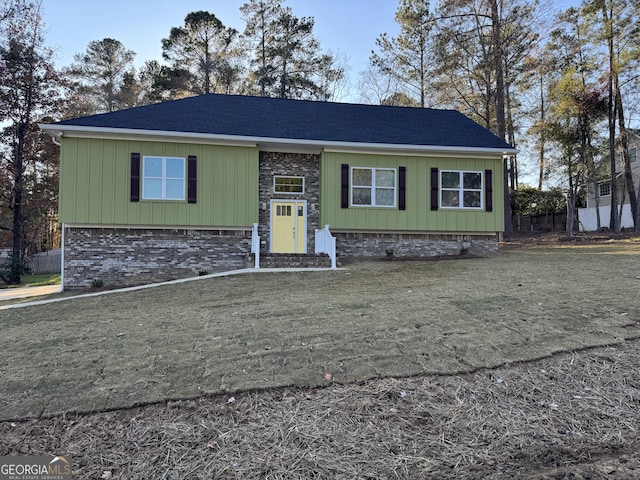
point(97, 283)
point(202, 273)
point(464, 251)
point(13, 269)
point(389, 252)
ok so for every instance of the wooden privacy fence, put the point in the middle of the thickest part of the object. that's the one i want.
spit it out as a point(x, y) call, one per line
point(545, 222)
point(46, 262)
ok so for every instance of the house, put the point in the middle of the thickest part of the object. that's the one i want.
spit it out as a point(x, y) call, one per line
point(173, 189)
point(599, 193)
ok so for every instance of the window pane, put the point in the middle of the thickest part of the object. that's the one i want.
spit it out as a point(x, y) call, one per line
point(362, 196)
point(473, 181)
point(175, 168)
point(472, 199)
point(385, 178)
point(289, 185)
point(450, 179)
point(152, 167)
point(175, 189)
point(605, 189)
point(152, 188)
point(633, 155)
point(361, 176)
point(450, 198)
point(385, 197)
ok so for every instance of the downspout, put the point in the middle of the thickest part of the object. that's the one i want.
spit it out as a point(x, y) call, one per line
point(62, 261)
point(53, 138)
point(55, 141)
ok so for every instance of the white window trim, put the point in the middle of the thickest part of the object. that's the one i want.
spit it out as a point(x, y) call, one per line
point(461, 190)
point(603, 184)
point(373, 187)
point(164, 178)
point(275, 177)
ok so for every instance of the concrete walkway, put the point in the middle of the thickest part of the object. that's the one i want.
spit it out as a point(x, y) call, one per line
point(56, 288)
point(24, 292)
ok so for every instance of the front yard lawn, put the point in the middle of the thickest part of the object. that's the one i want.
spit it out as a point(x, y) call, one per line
point(568, 415)
point(255, 331)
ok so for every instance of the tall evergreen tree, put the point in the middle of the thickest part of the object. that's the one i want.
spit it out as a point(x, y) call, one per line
point(260, 16)
point(104, 73)
point(406, 57)
point(577, 106)
point(288, 60)
point(202, 55)
point(615, 29)
point(29, 90)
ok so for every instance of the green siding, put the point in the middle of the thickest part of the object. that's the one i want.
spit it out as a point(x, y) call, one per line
point(94, 187)
point(418, 216)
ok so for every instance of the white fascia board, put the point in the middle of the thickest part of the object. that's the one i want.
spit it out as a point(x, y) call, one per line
point(423, 150)
point(266, 143)
point(150, 135)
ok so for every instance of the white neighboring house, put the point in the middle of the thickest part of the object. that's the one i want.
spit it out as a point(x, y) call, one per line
point(587, 216)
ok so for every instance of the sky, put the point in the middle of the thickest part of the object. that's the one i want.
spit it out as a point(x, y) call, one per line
point(349, 27)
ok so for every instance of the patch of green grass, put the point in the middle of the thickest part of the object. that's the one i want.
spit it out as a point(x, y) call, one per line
point(38, 280)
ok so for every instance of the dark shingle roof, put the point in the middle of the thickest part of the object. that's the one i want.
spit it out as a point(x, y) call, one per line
point(273, 118)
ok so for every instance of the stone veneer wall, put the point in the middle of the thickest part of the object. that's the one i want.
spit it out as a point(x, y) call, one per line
point(363, 244)
point(293, 165)
point(129, 256)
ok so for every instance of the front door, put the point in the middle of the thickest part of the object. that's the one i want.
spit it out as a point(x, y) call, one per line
point(288, 221)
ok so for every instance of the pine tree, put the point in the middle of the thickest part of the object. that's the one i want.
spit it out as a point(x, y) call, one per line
point(104, 72)
point(406, 57)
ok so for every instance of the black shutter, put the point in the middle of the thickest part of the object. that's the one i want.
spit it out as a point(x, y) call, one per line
point(488, 191)
point(434, 189)
point(135, 177)
point(192, 169)
point(344, 191)
point(402, 188)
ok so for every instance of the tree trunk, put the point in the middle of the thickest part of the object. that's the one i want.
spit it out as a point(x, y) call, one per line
point(263, 40)
point(614, 225)
point(596, 196)
point(18, 223)
point(542, 135)
point(500, 110)
point(628, 175)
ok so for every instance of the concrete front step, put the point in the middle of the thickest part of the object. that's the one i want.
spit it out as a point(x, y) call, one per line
point(290, 260)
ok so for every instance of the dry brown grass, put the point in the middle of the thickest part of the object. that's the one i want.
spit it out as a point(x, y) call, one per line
point(568, 414)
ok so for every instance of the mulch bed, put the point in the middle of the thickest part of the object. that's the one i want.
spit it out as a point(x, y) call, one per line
point(572, 415)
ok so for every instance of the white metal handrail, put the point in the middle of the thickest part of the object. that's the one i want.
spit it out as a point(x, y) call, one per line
point(255, 245)
point(326, 243)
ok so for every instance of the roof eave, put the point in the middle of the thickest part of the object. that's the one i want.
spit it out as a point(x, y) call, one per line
point(267, 143)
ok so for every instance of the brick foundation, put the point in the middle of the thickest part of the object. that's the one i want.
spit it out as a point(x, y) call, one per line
point(126, 256)
point(412, 244)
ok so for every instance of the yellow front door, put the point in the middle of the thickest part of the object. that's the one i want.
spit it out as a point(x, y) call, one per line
point(288, 227)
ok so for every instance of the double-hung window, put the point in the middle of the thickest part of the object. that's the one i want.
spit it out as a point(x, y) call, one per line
point(163, 178)
point(373, 187)
point(460, 189)
point(633, 155)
